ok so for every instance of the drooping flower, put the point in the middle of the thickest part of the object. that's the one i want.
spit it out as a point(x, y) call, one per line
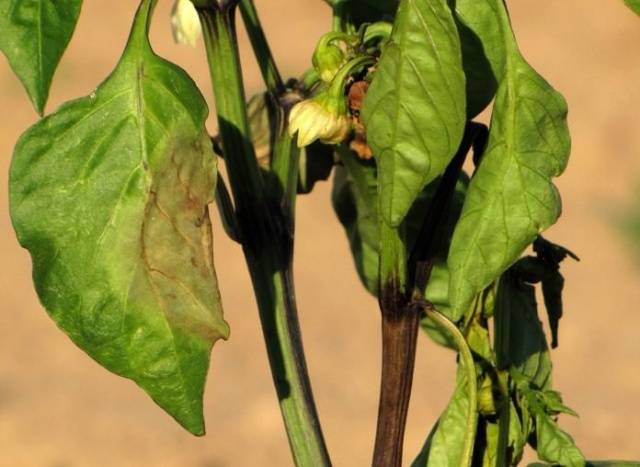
point(185, 23)
point(321, 117)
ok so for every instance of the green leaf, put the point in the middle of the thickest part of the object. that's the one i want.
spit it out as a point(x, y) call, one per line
point(555, 445)
point(33, 35)
point(445, 446)
point(109, 194)
point(553, 403)
point(511, 198)
point(354, 198)
point(414, 111)
point(483, 51)
point(634, 5)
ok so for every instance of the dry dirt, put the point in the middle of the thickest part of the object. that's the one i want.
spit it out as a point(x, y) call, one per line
point(58, 408)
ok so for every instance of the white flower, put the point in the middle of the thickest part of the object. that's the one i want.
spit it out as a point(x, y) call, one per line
point(185, 23)
point(320, 118)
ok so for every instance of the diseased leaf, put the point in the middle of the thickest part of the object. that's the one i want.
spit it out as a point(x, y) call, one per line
point(511, 197)
point(109, 194)
point(414, 111)
point(483, 51)
point(552, 287)
point(520, 342)
point(33, 35)
point(634, 5)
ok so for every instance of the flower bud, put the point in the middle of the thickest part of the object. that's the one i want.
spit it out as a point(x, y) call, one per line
point(185, 23)
point(327, 61)
point(486, 397)
point(323, 117)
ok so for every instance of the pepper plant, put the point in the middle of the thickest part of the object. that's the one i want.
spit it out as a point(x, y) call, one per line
point(111, 193)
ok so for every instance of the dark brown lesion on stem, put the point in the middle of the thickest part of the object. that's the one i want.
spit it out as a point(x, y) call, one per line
point(399, 335)
point(401, 312)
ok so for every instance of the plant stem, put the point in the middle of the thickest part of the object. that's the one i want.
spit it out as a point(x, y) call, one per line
point(268, 67)
point(265, 239)
point(402, 284)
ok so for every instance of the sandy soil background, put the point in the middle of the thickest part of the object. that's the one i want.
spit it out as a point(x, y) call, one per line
point(58, 408)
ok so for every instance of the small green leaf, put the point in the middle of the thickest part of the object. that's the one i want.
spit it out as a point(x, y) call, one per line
point(33, 35)
point(634, 5)
point(109, 195)
point(511, 198)
point(414, 111)
point(555, 445)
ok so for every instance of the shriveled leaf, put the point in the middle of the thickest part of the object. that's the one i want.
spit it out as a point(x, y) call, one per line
point(552, 287)
point(634, 5)
point(414, 111)
point(262, 111)
point(520, 343)
point(33, 35)
point(511, 198)
point(483, 51)
point(110, 195)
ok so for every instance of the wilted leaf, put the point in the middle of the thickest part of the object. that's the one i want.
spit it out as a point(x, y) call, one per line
point(520, 342)
point(511, 197)
point(33, 35)
point(110, 195)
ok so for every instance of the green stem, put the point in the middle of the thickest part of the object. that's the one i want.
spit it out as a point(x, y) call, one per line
point(466, 360)
point(504, 421)
point(268, 67)
point(267, 249)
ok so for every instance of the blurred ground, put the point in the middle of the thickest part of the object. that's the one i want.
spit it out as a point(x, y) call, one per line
point(58, 408)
